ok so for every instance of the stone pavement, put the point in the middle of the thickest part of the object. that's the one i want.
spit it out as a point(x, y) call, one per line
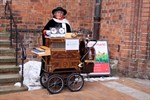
point(119, 89)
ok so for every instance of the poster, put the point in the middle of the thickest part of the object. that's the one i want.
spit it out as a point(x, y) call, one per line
point(101, 65)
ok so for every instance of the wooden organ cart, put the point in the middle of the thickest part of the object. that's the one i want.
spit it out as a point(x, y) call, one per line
point(61, 67)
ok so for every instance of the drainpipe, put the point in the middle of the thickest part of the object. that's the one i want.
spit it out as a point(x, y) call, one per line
point(97, 17)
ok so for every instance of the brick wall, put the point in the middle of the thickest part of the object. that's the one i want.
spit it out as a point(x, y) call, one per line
point(32, 15)
point(3, 21)
point(124, 24)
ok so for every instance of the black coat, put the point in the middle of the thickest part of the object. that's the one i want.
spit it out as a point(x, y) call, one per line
point(53, 23)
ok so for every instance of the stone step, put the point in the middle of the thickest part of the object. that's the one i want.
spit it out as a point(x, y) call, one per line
point(4, 43)
point(4, 36)
point(7, 51)
point(12, 89)
point(10, 78)
point(7, 59)
point(9, 69)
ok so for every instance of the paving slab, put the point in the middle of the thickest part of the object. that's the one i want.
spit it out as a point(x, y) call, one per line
point(121, 89)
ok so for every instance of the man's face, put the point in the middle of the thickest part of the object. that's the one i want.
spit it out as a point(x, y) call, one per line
point(59, 14)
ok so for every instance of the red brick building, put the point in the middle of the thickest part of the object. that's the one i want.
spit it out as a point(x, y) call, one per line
point(125, 24)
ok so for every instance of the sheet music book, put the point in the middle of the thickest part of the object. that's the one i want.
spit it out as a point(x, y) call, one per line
point(38, 50)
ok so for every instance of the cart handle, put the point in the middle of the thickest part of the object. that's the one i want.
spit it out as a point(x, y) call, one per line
point(88, 49)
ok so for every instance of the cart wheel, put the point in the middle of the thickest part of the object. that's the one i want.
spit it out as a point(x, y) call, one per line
point(75, 82)
point(55, 84)
point(43, 79)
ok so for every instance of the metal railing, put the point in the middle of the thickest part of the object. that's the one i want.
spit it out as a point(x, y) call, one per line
point(8, 11)
point(13, 24)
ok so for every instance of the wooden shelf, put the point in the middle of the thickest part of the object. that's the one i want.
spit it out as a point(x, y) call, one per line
point(47, 51)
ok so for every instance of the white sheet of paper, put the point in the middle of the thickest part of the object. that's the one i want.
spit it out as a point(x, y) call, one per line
point(72, 44)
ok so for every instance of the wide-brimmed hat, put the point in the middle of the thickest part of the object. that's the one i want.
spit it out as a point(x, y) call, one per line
point(59, 9)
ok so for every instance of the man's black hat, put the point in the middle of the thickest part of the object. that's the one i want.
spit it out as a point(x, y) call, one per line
point(59, 9)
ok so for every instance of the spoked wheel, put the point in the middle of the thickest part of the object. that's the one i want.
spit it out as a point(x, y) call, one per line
point(55, 84)
point(44, 79)
point(75, 82)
